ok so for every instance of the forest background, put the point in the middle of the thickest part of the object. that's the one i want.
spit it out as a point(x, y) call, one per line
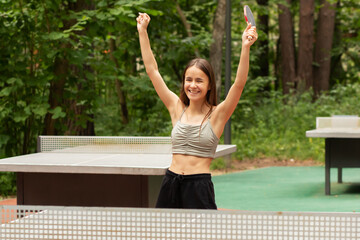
point(74, 68)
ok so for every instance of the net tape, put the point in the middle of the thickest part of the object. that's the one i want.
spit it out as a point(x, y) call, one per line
point(48, 222)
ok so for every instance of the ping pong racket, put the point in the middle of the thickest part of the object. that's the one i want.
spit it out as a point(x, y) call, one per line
point(249, 18)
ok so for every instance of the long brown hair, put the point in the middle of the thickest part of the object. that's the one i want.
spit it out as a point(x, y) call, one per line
point(211, 98)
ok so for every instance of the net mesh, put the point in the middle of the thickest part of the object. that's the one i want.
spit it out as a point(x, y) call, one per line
point(45, 222)
point(104, 144)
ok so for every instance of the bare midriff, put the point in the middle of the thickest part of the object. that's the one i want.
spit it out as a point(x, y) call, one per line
point(187, 164)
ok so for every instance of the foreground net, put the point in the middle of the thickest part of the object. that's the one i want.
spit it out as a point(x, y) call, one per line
point(47, 222)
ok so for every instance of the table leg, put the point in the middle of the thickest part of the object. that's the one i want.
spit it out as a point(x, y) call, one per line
point(327, 167)
point(327, 180)
point(20, 188)
point(227, 160)
point(340, 153)
point(154, 183)
point(340, 175)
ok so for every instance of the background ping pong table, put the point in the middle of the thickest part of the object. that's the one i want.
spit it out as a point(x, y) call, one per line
point(342, 144)
point(94, 171)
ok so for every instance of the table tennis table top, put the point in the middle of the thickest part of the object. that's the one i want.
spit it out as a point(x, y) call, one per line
point(105, 157)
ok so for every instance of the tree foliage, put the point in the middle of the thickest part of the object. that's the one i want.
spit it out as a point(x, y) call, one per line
point(56, 61)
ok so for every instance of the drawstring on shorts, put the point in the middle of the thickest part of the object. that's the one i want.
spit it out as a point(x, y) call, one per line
point(176, 183)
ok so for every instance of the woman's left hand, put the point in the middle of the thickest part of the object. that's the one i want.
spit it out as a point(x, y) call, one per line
point(249, 36)
point(143, 21)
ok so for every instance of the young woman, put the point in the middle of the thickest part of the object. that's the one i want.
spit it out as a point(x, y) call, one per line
point(197, 120)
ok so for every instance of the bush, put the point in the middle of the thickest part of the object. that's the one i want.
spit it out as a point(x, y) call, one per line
point(7, 184)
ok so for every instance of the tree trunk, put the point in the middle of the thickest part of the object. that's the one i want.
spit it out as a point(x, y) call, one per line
point(324, 39)
point(287, 48)
point(74, 123)
point(78, 122)
point(61, 66)
point(337, 71)
point(216, 48)
point(277, 66)
point(62, 69)
point(119, 85)
point(305, 51)
point(263, 61)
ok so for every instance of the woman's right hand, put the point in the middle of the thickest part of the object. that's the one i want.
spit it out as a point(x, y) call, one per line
point(142, 21)
point(249, 36)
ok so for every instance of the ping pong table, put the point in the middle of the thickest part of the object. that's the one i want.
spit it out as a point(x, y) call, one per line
point(54, 222)
point(342, 144)
point(94, 171)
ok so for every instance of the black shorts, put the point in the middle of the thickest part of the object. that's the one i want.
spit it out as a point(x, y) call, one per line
point(194, 191)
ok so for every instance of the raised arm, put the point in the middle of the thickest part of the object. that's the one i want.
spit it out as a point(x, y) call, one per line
point(227, 107)
point(168, 97)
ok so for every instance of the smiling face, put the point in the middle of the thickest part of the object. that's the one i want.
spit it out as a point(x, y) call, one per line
point(196, 84)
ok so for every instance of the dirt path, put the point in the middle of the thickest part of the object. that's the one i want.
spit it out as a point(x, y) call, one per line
point(238, 166)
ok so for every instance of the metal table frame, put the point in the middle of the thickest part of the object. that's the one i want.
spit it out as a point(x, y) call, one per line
point(340, 153)
point(342, 150)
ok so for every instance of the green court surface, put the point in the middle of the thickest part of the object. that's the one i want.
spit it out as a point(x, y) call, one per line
point(288, 189)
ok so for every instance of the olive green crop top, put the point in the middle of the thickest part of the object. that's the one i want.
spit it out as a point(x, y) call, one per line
point(188, 140)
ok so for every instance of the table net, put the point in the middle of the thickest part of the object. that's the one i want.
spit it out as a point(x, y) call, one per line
point(48, 222)
point(156, 145)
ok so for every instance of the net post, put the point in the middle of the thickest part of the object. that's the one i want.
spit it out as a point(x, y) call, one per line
point(227, 130)
point(38, 145)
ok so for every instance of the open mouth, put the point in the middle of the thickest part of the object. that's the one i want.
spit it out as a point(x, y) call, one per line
point(193, 91)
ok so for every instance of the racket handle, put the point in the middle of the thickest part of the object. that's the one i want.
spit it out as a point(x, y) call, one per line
point(250, 37)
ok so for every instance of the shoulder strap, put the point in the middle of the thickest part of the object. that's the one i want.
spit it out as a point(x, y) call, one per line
point(210, 113)
point(182, 113)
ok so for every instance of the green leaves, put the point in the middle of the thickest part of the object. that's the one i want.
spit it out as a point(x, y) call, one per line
point(40, 110)
point(56, 35)
point(16, 81)
point(13, 85)
point(5, 92)
point(4, 139)
point(57, 113)
point(7, 183)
